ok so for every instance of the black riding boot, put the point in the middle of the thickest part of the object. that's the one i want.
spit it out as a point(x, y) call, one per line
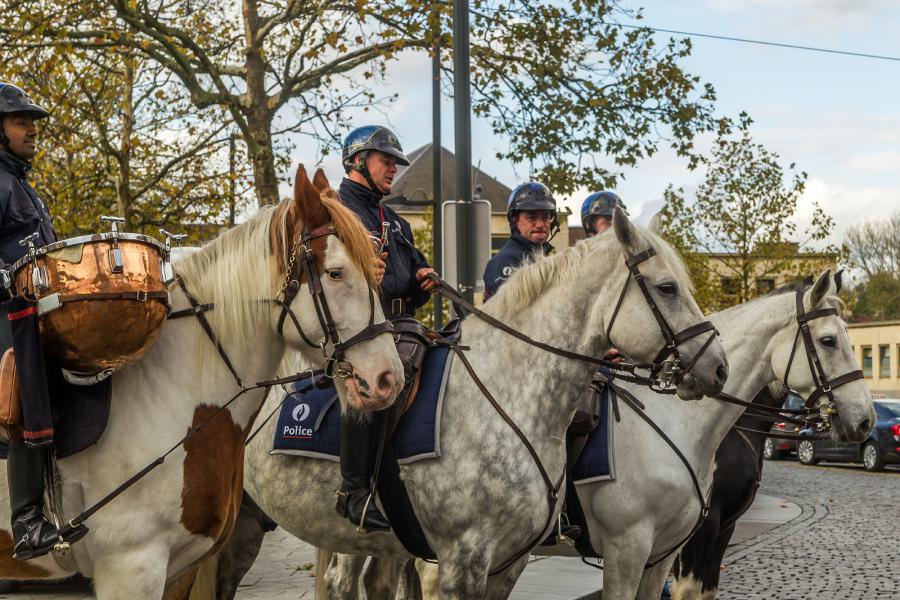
point(358, 449)
point(33, 534)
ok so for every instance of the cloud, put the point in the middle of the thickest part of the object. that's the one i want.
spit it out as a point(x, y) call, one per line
point(848, 205)
point(810, 13)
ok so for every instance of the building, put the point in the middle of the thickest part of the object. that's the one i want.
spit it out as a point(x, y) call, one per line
point(876, 345)
point(415, 182)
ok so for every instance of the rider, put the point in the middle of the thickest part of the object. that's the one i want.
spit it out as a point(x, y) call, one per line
point(597, 212)
point(24, 213)
point(370, 156)
point(533, 221)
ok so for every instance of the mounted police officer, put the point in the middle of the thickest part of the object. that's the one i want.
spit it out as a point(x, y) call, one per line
point(533, 221)
point(370, 156)
point(597, 212)
point(23, 213)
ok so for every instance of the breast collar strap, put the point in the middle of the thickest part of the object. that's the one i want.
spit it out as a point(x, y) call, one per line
point(672, 370)
point(824, 386)
point(336, 364)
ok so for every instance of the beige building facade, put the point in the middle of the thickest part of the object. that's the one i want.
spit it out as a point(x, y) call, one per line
point(876, 345)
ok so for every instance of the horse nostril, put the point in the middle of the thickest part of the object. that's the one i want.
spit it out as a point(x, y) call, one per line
point(722, 373)
point(386, 383)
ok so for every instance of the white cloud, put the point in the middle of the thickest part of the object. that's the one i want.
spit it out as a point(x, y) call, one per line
point(848, 205)
point(826, 14)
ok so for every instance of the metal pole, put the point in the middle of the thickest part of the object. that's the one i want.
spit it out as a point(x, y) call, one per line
point(436, 150)
point(463, 144)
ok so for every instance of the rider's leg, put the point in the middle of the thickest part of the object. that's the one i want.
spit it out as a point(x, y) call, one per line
point(359, 444)
point(34, 535)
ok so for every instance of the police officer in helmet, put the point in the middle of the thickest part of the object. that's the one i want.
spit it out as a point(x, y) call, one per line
point(597, 211)
point(370, 157)
point(533, 221)
point(22, 213)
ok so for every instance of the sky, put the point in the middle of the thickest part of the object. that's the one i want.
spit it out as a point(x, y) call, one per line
point(837, 117)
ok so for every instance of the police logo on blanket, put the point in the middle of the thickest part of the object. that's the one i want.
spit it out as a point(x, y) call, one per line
point(309, 423)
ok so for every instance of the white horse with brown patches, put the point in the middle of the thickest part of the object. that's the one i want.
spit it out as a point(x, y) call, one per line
point(145, 540)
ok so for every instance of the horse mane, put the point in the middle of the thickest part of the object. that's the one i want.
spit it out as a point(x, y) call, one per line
point(541, 272)
point(352, 233)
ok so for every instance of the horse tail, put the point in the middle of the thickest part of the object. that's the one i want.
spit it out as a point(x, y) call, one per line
point(204, 587)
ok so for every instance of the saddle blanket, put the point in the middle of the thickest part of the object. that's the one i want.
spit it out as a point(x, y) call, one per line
point(309, 423)
point(596, 462)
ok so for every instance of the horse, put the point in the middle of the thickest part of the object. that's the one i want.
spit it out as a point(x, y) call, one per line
point(482, 504)
point(247, 286)
point(699, 562)
point(643, 516)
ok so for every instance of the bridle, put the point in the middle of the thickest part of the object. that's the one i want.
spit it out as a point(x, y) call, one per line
point(667, 371)
point(336, 363)
point(824, 386)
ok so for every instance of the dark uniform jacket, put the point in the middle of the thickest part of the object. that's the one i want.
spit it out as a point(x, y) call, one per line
point(403, 259)
point(511, 255)
point(21, 211)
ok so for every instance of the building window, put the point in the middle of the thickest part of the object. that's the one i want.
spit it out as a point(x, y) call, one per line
point(764, 285)
point(867, 361)
point(884, 362)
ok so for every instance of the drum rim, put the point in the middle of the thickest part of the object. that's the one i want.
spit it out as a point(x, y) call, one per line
point(84, 239)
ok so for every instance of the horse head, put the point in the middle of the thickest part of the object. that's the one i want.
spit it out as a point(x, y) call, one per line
point(327, 306)
point(656, 317)
point(819, 363)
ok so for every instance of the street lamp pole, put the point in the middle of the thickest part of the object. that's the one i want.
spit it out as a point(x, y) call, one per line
point(465, 255)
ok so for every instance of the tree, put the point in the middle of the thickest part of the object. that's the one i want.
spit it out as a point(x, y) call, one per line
point(119, 141)
point(738, 236)
point(875, 246)
point(560, 80)
point(878, 297)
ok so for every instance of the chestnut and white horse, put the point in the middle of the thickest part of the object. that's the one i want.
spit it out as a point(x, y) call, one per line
point(482, 502)
point(148, 540)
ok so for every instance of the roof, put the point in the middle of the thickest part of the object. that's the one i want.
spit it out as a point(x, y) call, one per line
point(873, 324)
point(415, 182)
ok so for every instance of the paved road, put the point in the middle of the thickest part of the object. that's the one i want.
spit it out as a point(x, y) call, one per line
point(844, 545)
point(838, 543)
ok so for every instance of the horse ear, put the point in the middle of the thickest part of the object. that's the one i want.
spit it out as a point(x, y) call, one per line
point(839, 280)
point(320, 182)
point(656, 223)
point(625, 231)
point(308, 201)
point(820, 289)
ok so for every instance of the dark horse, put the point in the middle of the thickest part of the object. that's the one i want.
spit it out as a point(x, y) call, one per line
point(738, 472)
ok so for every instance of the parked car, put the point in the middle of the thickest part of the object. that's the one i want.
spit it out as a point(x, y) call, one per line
point(774, 448)
point(881, 447)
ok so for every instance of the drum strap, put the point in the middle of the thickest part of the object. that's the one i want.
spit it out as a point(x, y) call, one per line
point(139, 295)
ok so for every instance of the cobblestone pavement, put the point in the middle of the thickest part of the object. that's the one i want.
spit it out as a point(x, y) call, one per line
point(844, 546)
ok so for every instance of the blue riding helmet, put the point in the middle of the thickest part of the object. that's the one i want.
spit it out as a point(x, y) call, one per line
point(532, 196)
point(599, 204)
point(368, 138)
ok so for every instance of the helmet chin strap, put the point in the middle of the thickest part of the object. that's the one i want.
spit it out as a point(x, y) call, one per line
point(364, 170)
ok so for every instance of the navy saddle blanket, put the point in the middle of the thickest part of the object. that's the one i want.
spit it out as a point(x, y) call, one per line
point(309, 423)
point(596, 461)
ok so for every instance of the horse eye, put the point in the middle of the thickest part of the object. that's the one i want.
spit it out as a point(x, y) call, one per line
point(670, 289)
point(335, 274)
point(828, 341)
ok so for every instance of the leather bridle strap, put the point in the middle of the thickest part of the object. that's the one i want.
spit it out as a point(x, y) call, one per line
point(824, 386)
point(197, 309)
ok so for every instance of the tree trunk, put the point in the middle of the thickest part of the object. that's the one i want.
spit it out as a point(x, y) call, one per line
point(126, 110)
point(265, 181)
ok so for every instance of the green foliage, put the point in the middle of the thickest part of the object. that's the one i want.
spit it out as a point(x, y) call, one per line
point(878, 298)
point(739, 228)
point(577, 97)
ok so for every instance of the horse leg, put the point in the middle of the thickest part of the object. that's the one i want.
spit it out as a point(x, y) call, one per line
point(624, 557)
point(131, 574)
point(654, 580)
point(500, 586)
point(237, 555)
point(382, 577)
point(323, 559)
point(714, 570)
point(430, 580)
point(343, 575)
point(695, 562)
point(464, 573)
